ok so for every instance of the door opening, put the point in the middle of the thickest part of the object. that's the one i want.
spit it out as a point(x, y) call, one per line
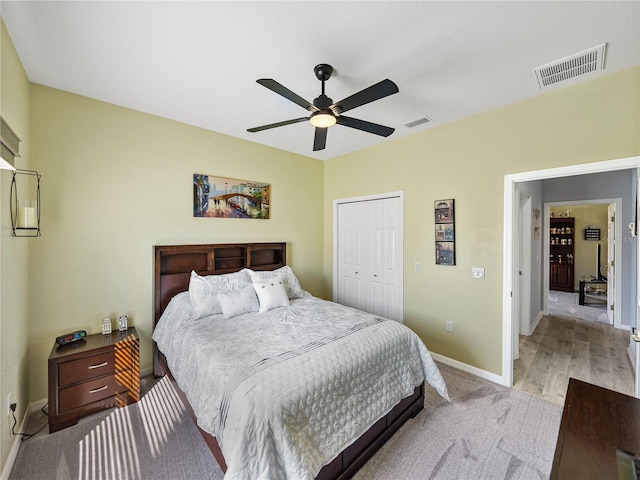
point(511, 214)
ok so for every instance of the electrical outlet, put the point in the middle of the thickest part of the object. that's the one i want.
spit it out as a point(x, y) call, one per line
point(450, 327)
point(9, 402)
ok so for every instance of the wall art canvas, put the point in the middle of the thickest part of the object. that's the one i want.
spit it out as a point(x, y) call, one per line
point(445, 253)
point(222, 197)
point(445, 232)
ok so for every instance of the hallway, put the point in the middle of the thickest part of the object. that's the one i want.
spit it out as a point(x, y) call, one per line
point(563, 347)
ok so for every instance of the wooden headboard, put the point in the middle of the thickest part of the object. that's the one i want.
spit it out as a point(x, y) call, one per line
point(173, 265)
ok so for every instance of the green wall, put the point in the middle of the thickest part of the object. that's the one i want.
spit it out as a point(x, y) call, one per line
point(14, 252)
point(467, 161)
point(115, 182)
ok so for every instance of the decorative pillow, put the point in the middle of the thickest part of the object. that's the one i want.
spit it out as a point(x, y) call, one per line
point(271, 294)
point(238, 302)
point(291, 284)
point(204, 291)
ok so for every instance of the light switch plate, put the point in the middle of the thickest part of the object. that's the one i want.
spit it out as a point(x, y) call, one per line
point(477, 272)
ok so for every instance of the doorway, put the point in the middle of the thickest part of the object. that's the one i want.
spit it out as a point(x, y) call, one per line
point(592, 294)
point(510, 265)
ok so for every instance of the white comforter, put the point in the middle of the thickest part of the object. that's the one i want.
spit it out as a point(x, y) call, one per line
point(285, 391)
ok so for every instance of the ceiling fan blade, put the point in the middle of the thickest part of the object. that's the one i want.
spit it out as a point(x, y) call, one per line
point(320, 139)
point(374, 92)
point(286, 93)
point(365, 126)
point(279, 124)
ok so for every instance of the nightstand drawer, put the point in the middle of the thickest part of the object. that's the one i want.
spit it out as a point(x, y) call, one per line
point(86, 368)
point(89, 392)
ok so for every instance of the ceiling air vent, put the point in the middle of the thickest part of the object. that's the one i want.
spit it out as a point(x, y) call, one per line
point(570, 67)
point(418, 121)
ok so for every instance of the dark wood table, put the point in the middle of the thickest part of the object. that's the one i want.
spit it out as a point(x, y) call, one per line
point(595, 422)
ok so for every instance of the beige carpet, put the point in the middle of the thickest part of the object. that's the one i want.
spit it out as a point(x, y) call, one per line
point(486, 432)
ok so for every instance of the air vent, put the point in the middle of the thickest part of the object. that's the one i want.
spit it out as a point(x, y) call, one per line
point(570, 67)
point(418, 121)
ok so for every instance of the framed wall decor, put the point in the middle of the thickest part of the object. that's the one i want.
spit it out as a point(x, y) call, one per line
point(536, 223)
point(445, 232)
point(229, 197)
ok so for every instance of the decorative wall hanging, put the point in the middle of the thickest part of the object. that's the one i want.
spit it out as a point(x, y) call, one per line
point(445, 232)
point(25, 203)
point(536, 223)
point(229, 197)
point(592, 232)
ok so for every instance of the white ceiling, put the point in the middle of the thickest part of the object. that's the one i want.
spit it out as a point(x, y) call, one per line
point(197, 62)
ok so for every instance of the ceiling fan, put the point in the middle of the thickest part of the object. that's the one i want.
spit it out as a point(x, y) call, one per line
point(325, 113)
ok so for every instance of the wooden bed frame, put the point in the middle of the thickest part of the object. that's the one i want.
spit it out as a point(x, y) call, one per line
point(172, 267)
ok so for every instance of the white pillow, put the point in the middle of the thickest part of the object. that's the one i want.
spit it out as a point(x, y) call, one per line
point(271, 294)
point(291, 283)
point(238, 302)
point(204, 291)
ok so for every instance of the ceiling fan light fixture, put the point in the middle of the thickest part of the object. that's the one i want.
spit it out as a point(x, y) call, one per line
point(322, 119)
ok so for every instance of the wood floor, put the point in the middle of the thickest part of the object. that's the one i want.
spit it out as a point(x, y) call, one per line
point(562, 347)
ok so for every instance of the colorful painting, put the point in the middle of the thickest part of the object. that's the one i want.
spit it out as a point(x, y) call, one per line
point(229, 197)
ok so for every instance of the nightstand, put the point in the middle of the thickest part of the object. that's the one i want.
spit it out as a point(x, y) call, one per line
point(93, 374)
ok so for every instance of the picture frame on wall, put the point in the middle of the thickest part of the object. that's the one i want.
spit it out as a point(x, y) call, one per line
point(443, 211)
point(445, 253)
point(224, 197)
point(444, 232)
point(444, 217)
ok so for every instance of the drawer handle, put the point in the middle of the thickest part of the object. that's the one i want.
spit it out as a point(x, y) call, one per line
point(103, 364)
point(96, 390)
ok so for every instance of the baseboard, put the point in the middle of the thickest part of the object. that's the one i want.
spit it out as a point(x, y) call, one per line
point(15, 446)
point(478, 372)
point(536, 322)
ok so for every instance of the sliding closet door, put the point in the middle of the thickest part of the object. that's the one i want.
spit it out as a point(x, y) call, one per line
point(370, 256)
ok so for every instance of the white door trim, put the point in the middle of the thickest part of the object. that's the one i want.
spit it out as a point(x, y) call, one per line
point(378, 196)
point(507, 268)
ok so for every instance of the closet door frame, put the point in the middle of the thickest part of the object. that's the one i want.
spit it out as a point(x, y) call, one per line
point(336, 253)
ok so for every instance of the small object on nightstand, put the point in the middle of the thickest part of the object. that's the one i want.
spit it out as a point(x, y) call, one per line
point(106, 326)
point(68, 338)
point(122, 323)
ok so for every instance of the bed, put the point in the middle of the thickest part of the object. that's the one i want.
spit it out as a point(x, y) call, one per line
point(276, 410)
